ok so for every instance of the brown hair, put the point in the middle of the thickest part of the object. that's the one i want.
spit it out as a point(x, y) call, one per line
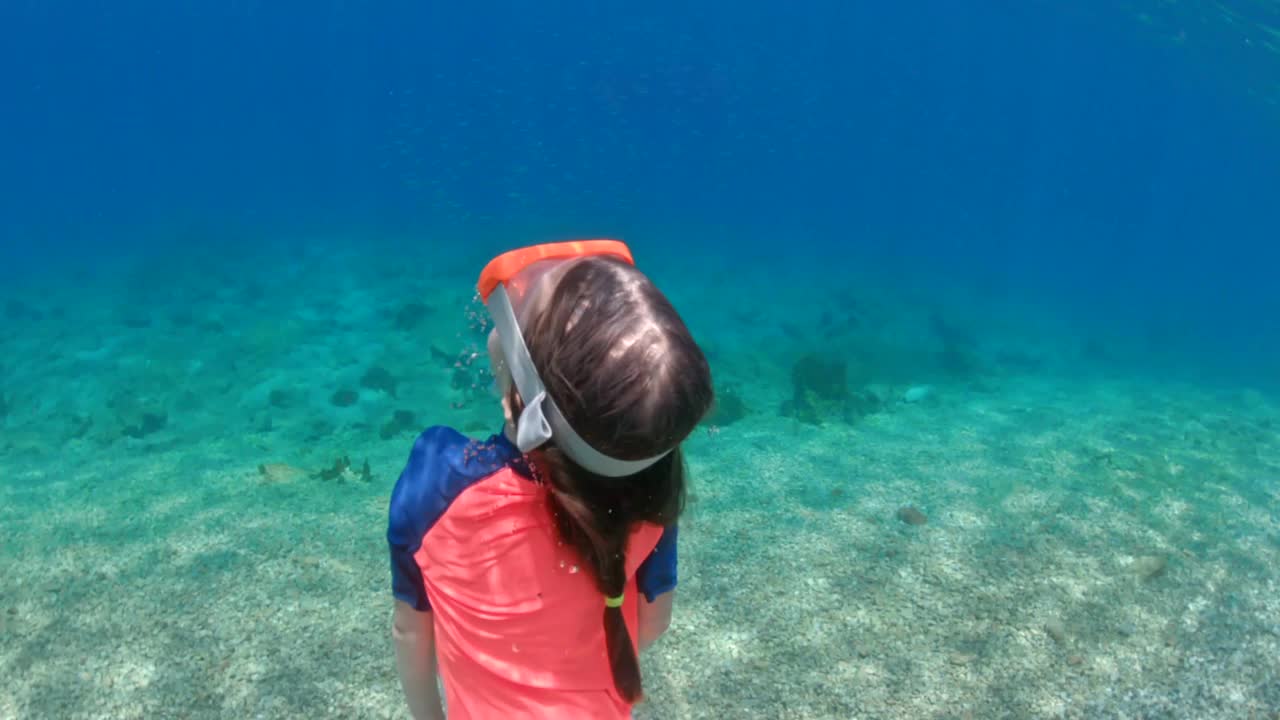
point(629, 378)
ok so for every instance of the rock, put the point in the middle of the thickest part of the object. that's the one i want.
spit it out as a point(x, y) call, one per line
point(819, 389)
point(150, 422)
point(1056, 630)
point(916, 393)
point(410, 315)
point(345, 397)
point(821, 392)
point(957, 356)
point(135, 318)
point(379, 378)
point(277, 473)
point(1150, 567)
point(862, 403)
point(727, 409)
point(18, 310)
point(911, 516)
point(401, 421)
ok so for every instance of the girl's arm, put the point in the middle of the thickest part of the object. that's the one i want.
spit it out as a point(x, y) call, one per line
point(655, 617)
point(415, 638)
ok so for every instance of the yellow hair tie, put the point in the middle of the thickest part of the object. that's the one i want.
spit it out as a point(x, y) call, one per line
point(614, 602)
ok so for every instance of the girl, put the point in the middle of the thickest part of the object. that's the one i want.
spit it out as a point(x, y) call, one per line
point(530, 569)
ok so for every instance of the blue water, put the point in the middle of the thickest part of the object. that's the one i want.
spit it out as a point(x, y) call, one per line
point(246, 190)
point(1074, 151)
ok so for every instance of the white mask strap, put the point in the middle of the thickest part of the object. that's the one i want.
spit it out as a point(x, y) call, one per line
point(533, 429)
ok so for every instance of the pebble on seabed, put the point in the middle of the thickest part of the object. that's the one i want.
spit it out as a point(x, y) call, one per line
point(911, 516)
point(1150, 567)
point(1056, 630)
point(916, 393)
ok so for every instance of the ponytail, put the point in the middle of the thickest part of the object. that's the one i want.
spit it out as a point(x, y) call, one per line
point(595, 515)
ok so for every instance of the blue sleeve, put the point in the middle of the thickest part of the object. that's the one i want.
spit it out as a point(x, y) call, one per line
point(657, 574)
point(435, 474)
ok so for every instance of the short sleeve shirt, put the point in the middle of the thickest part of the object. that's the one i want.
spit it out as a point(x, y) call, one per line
point(518, 621)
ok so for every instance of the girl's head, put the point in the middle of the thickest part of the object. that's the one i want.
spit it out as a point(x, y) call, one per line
point(613, 354)
point(626, 375)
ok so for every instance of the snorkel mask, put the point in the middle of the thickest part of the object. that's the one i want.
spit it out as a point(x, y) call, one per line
point(506, 286)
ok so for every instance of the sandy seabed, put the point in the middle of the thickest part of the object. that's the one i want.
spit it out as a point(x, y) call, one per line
point(1098, 546)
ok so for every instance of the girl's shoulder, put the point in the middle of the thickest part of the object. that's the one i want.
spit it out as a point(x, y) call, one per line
point(443, 463)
